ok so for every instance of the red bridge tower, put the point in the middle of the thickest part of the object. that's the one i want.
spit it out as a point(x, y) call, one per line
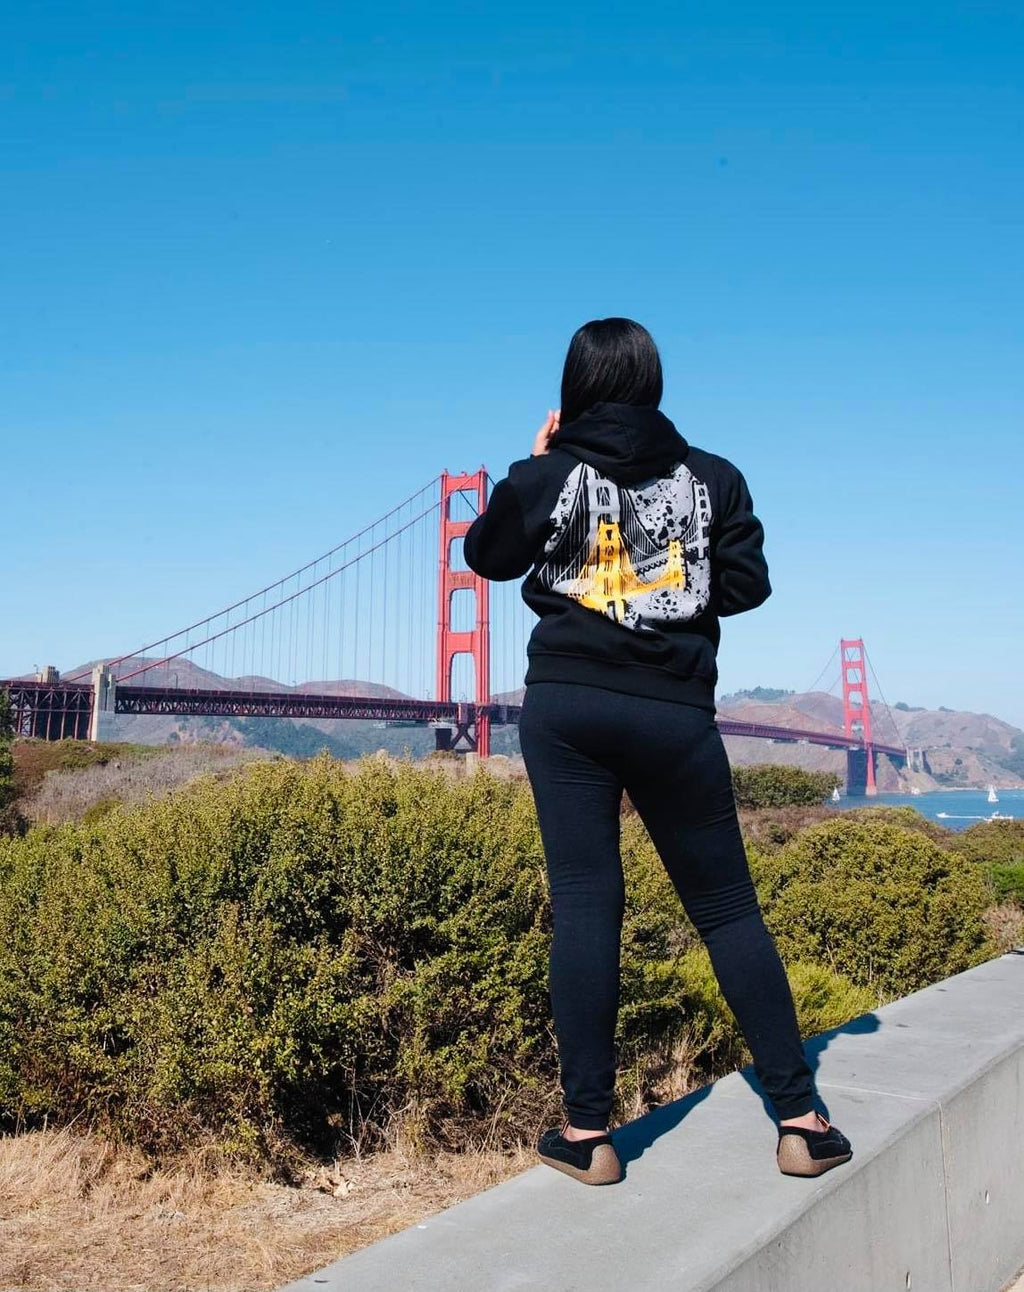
point(857, 717)
point(475, 730)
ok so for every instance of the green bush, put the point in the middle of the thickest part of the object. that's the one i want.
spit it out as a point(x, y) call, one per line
point(824, 999)
point(997, 848)
point(98, 810)
point(6, 758)
point(11, 821)
point(311, 954)
point(306, 954)
point(885, 906)
point(285, 953)
point(774, 785)
point(906, 816)
point(995, 842)
point(1007, 882)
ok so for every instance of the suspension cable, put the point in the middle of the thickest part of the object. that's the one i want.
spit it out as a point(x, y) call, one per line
point(277, 605)
point(888, 710)
point(276, 584)
point(823, 671)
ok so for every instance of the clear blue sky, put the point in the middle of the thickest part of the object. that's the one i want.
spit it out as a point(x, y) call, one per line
point(267, 268)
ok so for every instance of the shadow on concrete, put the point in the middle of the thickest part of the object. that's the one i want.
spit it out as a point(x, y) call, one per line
point(633, 1139)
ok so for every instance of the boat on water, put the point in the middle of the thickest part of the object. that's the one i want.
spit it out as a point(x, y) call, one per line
point(992, 796)
point(835, 796)
point(915, 789)
point(956, 816)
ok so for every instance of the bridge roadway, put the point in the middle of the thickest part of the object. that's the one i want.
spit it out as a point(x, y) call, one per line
point(75, 697)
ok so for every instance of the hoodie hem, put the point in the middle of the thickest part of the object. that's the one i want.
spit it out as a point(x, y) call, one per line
point(647, 680)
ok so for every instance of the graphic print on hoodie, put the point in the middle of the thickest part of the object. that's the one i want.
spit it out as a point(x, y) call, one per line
point(633, 553)
point(634, 543)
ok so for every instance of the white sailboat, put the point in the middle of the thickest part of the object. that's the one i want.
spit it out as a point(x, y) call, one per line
point(835, 796)
point(992, 796)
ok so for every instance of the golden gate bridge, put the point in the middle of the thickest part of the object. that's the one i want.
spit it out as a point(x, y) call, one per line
point(391, 614)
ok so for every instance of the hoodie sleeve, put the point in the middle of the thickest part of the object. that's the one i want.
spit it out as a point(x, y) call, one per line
point(739, 571)
point(506, 538)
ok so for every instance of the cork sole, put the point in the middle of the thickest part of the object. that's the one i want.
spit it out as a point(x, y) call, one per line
point(794, 1158)
point(605, 1167)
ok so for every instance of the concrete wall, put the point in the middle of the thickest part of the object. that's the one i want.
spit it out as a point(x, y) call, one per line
point(930, 1090)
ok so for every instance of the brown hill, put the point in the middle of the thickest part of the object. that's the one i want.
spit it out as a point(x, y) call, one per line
point(289, 735)
point(960, 748)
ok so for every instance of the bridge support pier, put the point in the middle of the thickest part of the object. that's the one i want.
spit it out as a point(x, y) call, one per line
point(470, 731)
point(860, 772)
point(104, 690)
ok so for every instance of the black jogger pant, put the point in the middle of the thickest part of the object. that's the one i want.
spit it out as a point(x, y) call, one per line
point(582, 746)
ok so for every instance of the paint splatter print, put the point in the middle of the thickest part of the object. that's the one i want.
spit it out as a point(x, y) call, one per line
point(639, 554)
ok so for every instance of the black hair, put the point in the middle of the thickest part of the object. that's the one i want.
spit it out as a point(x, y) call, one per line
point(610, 361)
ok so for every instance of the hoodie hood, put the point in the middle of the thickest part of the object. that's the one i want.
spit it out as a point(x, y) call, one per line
point(626, 442)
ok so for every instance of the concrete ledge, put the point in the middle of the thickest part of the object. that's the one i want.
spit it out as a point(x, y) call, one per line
point(930, 1090)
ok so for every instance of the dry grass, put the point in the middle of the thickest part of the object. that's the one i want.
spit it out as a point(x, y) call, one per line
point(60, 781)
point(78, 1213)
point(65, 792)
point(1005, 925)
point(34, 757)
point(769, 829)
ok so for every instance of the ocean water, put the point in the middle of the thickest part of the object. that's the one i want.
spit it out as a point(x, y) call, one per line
point(955, 809)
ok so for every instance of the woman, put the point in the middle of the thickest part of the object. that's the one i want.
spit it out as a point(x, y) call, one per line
point(636, 544)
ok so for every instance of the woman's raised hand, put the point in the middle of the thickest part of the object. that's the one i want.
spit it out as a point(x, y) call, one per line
point(543, 436)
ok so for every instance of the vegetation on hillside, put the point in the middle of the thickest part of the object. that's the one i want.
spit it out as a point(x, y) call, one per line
point(34, 758)
point(1013, 760)
point(11, 821)
point(299, 740)
point(75, 780)
point(765, 694)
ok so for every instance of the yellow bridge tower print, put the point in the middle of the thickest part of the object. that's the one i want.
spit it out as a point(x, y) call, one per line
point(607, 578)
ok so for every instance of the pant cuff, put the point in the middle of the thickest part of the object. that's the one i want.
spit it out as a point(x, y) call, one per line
point(794, 1107)
point(590, 1121)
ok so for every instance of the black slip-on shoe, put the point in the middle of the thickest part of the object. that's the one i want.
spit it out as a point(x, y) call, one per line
point(592, 1160)
point(810, 1152)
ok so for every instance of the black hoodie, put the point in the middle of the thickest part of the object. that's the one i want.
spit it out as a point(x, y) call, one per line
point(635, 543)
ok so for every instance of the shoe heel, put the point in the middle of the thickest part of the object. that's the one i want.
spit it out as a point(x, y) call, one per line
point(794, 1158)
point(605, 1167)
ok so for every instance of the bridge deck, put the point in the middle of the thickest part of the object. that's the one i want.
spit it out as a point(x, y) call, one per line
point(204, 701)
